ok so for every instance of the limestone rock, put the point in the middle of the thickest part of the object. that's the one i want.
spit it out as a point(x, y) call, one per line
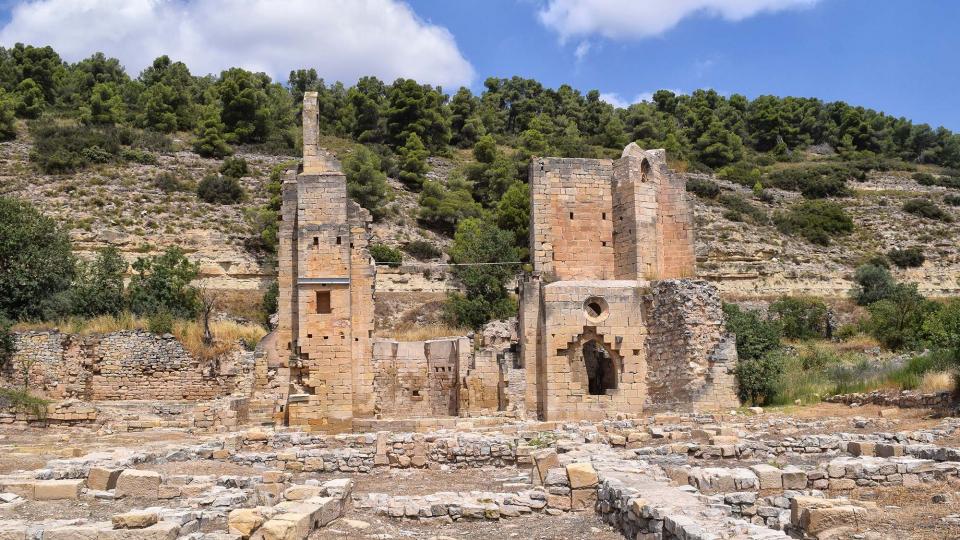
point(134, 519)
point(139, 484)
point(582, 475)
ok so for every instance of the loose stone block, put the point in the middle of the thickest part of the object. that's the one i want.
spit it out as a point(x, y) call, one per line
point(51, 490)
point(102, 479)
point(770, 477)
point(244, 521)
point(582, 475)
point(583, 499)
point(164, 530)
point(138, 484)
point(135, 519)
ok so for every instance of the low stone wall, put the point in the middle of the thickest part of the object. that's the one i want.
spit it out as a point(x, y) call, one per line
point(119, 366)
point(905, 399)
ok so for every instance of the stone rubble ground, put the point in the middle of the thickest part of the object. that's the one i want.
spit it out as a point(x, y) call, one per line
point(665, 476)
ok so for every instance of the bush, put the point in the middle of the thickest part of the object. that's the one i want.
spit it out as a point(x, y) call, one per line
point(924, 179)
point(65, 148)
point(755, 336)
point(98, 289)
point(217, 189)
point(951, 199)
point(926, 208)
point(705, 189)
point(816, 221)
point(738, 207)
point(163, 284)
point(911, 257)
point(897, 321)
point(801, 317)
point(21, 399)
point(366, 183)
point(814, 181)
point(385, 254)
point(36, 262)
point(160, 322)
point(873, 283)
point(137, 155)
point(942, 328)
point(168, 182)
point(7, 347)
point(742, 173)
point(270, 301)
point(234, 167)
point(422, 250)
point(759, 378)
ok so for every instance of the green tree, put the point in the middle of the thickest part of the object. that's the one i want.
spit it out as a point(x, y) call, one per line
point(756, 337)
point(443, 207)
point(367, 101)
point(758, 379)
point(513, 214)
point(366, 183)
point(162, 284)
point(245, 113)
point(210, 141)
point(897, 321)
point(476, 245)
point(98, 287)
point(943, 329)
point(465, 125)
point(105, 106)
point(157, 104)
point(30, 101)
point(872, 283)
point(801, 317)
point(418, 109)
point(719, 146)
point(36, 262)
point(413, 162)
point(7, 345)
point(176, 95)
point(42, 64)
point(8, 121)
point(234, 167)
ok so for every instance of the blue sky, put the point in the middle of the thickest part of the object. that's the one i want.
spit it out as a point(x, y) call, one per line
point(898, 56)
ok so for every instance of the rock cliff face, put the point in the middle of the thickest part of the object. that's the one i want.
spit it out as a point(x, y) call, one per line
point(119, 205)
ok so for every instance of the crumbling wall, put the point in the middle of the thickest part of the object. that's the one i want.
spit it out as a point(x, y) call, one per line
point(690, 355)
point(417, 378)
point(120, 366)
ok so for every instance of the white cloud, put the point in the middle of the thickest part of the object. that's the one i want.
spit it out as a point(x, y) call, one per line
point(637, 19)
point(581, 51)
point(343, 39)
point(616, 100)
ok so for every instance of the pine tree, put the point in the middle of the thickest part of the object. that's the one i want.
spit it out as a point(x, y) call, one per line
point(413, 162)
point(30, 102)
point(105, 106)
point(8, 122)
point(366, 183)
point(210, 141)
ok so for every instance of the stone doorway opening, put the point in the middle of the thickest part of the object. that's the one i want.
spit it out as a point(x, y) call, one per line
point(601, 368)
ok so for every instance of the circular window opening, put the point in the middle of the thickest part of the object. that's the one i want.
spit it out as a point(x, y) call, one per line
point(596, 309)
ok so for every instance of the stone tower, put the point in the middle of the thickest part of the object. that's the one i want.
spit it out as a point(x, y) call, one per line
point(325, 303)
point(609, 321)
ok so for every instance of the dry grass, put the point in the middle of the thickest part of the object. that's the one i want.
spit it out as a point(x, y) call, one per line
point(936, 381)
point(226, 334)
point(410, 332)
point(857, 343)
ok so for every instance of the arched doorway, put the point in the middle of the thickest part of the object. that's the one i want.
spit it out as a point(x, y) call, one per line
point(600, 367)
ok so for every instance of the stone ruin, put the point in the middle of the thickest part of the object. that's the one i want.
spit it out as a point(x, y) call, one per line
point(610, 321)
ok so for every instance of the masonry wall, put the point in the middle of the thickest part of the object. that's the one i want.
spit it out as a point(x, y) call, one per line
point(131, 365)
point(690, 355)
point(572, 223)
point(417, 378)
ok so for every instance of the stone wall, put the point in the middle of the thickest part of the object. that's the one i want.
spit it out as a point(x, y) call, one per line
point(417, 378)
point(905, 399)
point(120, 366)
point(690, 356)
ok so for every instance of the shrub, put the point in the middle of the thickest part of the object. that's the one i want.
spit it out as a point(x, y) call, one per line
point(270, 300)
point(163, 283)
point(924, 179)
point(7, 347)
point(705, 189)
point(873, 283)
point(943, 330)
point(234, 167)
point(160, 322)
point(137, 155)
point(801, 317)
point(366, 183)
point(422, 250)
point(742, 173)
point(385, 254)
point(64, 149)
point(911, 257)
point(22, 399)
point(755, 336)
point(738, 207)
point(759, 378)
point(926, 208)
point(98, 289)
point(951, 199)
point(36, 262)
point(817, 221)
point(168, 182)
point(443, 207)
point(897, 321)
point(217, 189)
point(814, 181)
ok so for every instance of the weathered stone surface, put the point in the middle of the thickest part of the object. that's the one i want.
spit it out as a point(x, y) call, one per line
point(244, 521)
point(134, 519)
point(75, 532)
point(164, 530)
point(138, 484)
point(50, 490)
point(582, 475)
point(583, 499)
point(102, 479)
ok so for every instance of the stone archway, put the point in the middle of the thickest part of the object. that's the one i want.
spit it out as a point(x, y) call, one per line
point(600, 367)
